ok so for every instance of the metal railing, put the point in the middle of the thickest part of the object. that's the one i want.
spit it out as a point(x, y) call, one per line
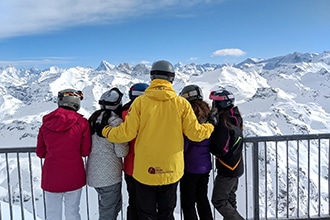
point(292, 174)
point(286, 177)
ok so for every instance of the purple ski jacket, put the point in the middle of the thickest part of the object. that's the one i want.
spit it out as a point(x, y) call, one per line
point(197, 157)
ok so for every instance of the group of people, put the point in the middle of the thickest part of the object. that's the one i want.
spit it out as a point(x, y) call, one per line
point(165, 139)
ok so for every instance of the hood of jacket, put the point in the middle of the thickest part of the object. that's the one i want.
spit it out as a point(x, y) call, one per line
point(61, 119)
point(156, 90)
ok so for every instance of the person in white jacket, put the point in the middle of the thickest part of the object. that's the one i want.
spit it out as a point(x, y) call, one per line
point(104, 164)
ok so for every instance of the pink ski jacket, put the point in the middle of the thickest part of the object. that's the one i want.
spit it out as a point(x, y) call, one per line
point(63, 139)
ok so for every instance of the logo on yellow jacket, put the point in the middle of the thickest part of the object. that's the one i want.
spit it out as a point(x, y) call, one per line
point(158, 170)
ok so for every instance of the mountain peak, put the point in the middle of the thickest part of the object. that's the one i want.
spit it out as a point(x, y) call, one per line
point(105, 66)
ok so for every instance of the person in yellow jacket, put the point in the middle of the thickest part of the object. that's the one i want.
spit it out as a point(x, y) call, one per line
point(158, 120)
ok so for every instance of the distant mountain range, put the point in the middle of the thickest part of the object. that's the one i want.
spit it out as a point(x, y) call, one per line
point(289, 94)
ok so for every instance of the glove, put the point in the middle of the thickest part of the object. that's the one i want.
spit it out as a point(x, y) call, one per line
point(98, 128)
point(101, 122)
point(213, 119)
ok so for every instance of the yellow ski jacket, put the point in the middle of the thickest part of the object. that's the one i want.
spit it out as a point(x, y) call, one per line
point(158, 119)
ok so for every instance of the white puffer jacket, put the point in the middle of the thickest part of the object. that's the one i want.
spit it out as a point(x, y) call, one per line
point(104, 164)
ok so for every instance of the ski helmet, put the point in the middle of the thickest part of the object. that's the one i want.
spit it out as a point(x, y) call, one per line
point(136, 90)
point(162, 69)
point(70, 98)
point(192, 92)
point(111, 99)
point(222, 99)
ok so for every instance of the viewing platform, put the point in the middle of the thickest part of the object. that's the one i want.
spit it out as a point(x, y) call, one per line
point(285, 177)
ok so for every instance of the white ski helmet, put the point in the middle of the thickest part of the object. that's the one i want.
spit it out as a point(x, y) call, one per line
point(111, 99)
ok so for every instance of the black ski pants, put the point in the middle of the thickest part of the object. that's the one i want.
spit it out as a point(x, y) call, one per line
point(156, 202)
point(131, 209)
point(224, 197)
point(194, 191)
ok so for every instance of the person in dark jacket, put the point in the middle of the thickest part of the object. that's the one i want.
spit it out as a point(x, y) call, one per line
point(197, 161)
point(63, 139)
point(226, 144)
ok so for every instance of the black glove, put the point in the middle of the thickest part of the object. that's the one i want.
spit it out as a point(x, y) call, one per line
point(213, 119)
point(99, 127)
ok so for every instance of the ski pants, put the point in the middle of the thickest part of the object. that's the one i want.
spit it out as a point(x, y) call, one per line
point(194, 191)
point(54, 203)
point(131, 208)
point(156, 202)
point(110, 201)
point(224, 197)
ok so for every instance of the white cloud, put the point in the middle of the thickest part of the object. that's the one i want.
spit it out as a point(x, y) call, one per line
point(146, 62)
point(21, 17)
point(228, 52)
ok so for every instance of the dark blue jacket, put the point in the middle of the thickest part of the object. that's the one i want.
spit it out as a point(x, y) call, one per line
point(197, 157)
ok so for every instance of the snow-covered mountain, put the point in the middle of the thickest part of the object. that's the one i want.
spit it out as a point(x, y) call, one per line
point(283, 95)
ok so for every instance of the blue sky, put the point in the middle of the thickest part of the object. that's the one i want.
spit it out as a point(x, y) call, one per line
point(69, 33)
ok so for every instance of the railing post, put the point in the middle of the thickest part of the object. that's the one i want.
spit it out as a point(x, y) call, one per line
point(255, 162)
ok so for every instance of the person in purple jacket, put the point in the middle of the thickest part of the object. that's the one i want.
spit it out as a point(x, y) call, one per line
point(197, 159)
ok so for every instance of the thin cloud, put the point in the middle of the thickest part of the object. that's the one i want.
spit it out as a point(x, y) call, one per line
point(21, 17)
point(36, 61)
point(228, 52)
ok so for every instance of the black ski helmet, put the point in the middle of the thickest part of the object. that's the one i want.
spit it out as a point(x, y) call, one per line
point(70, 98)
point(222, 99)
point(192, 92)
point(162, 69)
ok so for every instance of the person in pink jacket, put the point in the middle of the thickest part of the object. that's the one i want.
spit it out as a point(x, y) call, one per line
point(63, 139)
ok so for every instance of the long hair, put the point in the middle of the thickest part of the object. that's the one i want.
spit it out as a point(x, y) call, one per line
point(201, 109)
point(106, 115)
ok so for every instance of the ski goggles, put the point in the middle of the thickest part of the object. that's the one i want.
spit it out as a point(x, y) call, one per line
point(214, 95)
point(77, 93)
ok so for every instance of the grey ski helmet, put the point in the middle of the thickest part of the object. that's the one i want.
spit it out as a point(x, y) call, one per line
point(162, 69)
point(111, 99)
point(192, 92)
point(222, 99)
point(70, 98)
